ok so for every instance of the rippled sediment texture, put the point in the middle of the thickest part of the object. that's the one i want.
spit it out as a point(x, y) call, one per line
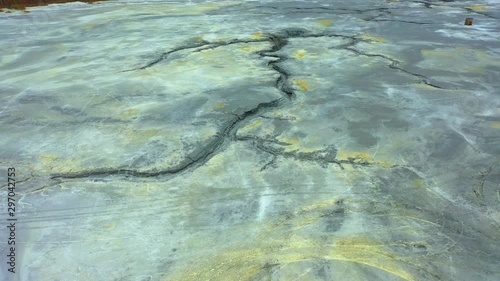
point(245, 140)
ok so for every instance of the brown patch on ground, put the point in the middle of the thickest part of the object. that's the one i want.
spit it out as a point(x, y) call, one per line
point(23, 4)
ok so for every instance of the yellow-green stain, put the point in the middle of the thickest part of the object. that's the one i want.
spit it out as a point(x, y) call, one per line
point(385, 164)
point(300, 54)
point(253, 124)
point(477, 8)
point(371, 38)
point(291, 141)
point(495, 125)
point(324, 22)
point(303, 85)
point(247, 263)
point(128, 113)
point(419, 182)
point(257, 35)
point(343, 155)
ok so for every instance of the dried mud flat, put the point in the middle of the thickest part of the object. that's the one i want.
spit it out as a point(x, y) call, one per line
point(252, 140)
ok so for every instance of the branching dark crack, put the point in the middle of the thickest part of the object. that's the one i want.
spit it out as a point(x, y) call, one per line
point(301, 9)
point(40, 189)
point(270, 163)
point(394, 65)
point(199, 158)
point(322, 157)
point(226, 135)
point(423, 78)
point(197, 47)
point(284, 118)
point(18, 182)
point(381, 13)
point(429, 5)
point(479, 189)
point(480, 13)
point(426, 4)
point(277, 41)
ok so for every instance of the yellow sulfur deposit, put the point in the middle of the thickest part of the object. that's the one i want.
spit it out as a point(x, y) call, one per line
point(371, 38)
point(300, 54)
point(477, 8)
point(324, 22)
point(302, 85)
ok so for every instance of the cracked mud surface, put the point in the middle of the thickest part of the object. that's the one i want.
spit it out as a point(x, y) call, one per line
point(263, 140)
